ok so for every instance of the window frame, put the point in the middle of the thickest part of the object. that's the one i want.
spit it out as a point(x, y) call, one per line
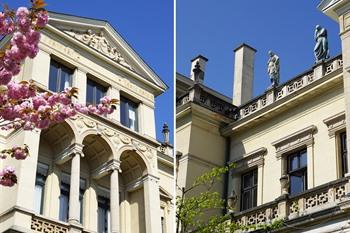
point(299, 169)
point(41, 183)
point(124, 116)
point(251, 189)
point(97, 84)
point(60, 66)
point(343, 154)
point(104, 203)
point(64, 191)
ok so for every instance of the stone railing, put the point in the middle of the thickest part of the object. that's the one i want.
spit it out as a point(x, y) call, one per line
point(287, 208)
point(275, 94)
point(40, 224)
point(197, 94)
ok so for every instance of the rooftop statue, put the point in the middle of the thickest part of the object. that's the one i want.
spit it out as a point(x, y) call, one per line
point(273, 69)
point(321, 48)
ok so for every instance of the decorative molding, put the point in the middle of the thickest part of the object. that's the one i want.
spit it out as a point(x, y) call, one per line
point(68, 152)
point(101, 44)
point(335, 123)
point(106, 168)
point(303, 137)
point(249, 160)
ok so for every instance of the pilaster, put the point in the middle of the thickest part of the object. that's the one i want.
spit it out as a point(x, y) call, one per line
point(152, 204)
point(80, 81)
point(40, 69)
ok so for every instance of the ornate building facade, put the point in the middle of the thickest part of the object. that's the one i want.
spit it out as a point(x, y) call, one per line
point(289, 144)
point(91, 173)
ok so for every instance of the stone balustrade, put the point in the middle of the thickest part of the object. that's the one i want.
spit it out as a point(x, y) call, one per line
point(199, 95)
point(44, 225)
point(275, 94)
point(291, 207)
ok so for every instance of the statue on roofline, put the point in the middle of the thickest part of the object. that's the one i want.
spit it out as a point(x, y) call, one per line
point(321, 49)
point(273, 69)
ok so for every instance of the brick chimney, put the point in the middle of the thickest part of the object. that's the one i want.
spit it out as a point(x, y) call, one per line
point(243, 74)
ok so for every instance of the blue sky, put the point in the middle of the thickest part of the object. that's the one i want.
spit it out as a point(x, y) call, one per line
point(146, 25)
point(215, 28)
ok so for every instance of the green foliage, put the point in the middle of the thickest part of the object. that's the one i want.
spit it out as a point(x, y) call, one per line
point(191, 211)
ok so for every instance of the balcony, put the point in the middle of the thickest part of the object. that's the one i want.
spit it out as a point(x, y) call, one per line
point(199, 95)
point(292, 86)
point(40, 224)
point(315, 202)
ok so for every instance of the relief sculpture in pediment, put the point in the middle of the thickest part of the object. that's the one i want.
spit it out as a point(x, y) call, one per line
point(101, 44)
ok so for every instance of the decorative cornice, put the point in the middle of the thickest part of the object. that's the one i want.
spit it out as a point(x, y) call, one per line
point(335, 123)
point(249, 160)
point(68, 152)
point(101, 44)
point(303, 137)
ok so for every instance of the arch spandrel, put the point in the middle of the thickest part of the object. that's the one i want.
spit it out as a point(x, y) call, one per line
point(147, 160)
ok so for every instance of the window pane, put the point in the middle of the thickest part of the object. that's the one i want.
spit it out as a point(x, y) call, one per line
point(123, 112)
point(66, 79)
point(293, 164)
point(128, 113)
point(53, 78)
point(103, 215)
point(94, 92)
point(344, 154)
point(254, 197)
point(255, 174)
point(245, 200)
point(41, 174)
point(296, 184)
point(90, 92)
point(64, 205)
point(303, 159)
point(247, 181)
point(132, 118)
point(60, 77)
point(249, 189)
point(38, 199)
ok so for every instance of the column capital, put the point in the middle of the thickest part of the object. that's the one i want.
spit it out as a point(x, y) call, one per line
point(67, 153)
point(107, 168)
point(114, 165)
point(150, 177)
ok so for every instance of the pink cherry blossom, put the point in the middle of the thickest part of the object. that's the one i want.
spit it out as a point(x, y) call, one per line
point(22, 106)
point(8, 177)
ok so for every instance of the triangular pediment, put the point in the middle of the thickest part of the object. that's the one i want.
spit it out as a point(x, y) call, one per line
point(101, 37)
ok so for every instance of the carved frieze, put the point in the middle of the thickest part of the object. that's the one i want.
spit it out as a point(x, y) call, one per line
point(118, 139)
point(99, 42)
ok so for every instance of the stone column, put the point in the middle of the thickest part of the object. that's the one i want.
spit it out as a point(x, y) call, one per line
point(74, 207)
point(152, 204)
point(114, 200)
